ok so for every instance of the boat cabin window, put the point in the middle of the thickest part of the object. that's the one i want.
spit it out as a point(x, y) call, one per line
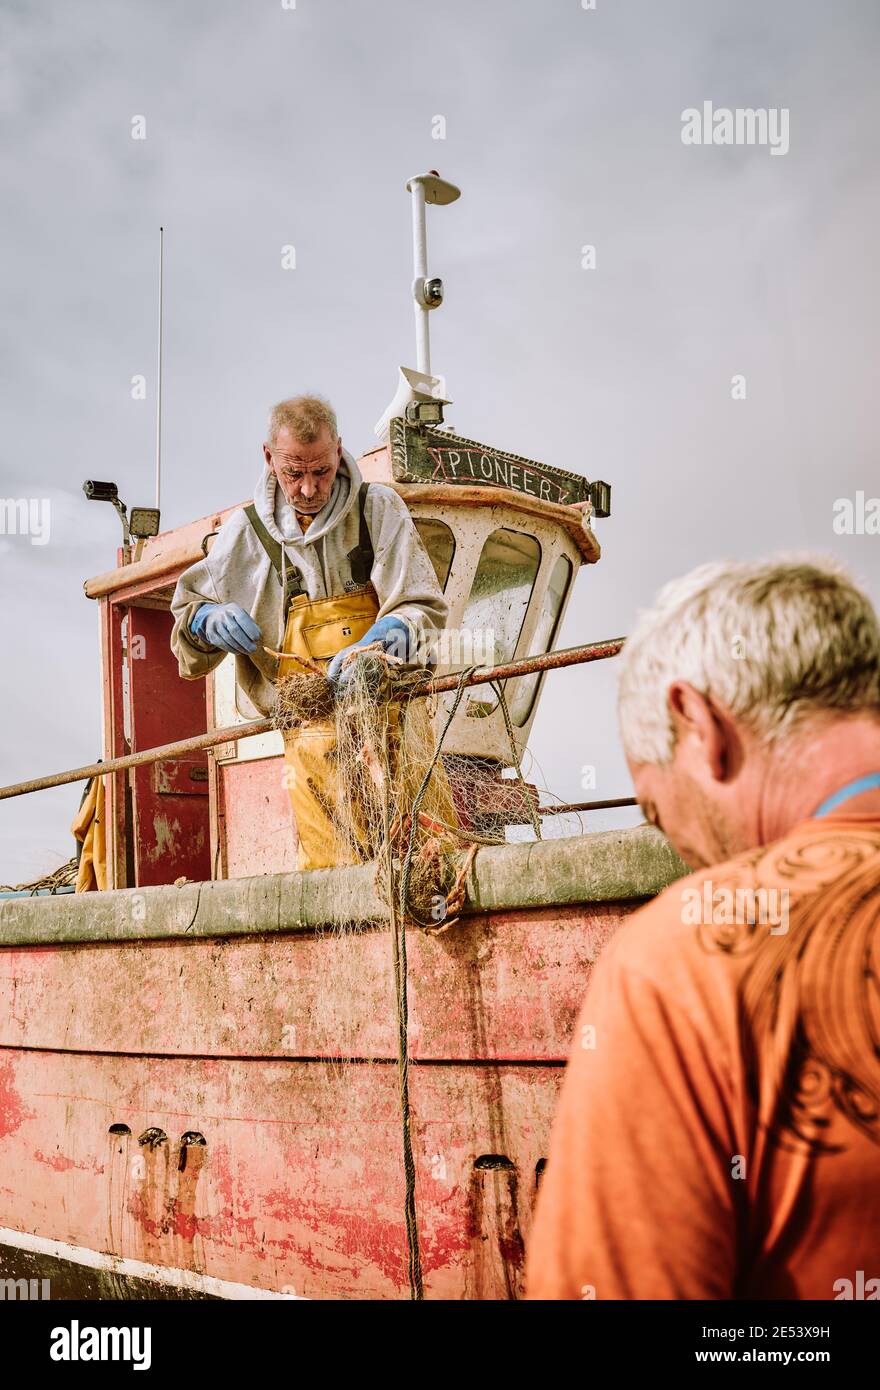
point(497, 604)
point(439, 541)
point(544, 637)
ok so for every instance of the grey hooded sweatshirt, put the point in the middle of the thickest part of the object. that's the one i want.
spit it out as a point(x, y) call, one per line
point(238, 570)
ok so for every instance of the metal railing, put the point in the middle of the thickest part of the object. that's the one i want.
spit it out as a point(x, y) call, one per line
point(550, 661)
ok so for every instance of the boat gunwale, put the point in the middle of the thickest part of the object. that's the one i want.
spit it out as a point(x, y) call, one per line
point(600, 867)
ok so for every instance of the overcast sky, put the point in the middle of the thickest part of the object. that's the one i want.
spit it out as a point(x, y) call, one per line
point(269, 126)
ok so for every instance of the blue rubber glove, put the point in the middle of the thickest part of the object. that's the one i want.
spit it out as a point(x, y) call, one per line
point(392, 632)
point(227, 627)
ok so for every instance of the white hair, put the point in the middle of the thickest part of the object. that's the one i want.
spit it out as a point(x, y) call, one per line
point(305, 417)
point(775, 642)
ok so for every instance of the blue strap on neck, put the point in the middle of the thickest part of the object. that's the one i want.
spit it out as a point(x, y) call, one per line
point(861, 784)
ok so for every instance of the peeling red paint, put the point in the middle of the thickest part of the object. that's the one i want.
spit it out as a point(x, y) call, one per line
point(12, 1111)
point(223, 1228)
point(300, 1182)
point(62, 1164)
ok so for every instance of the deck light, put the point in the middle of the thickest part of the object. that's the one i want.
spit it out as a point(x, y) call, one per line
point(144, 520)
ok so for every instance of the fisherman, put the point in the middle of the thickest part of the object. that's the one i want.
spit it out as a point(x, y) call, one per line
point(319, 566)
point(718, 1133)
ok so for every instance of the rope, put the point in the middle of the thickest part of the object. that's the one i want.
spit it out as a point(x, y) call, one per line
point(57, 878)
point(398, 937)
point(398, 930)
point(398, 914)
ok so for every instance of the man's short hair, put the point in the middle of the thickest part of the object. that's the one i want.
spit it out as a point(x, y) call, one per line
point(776, 643)
point(304, 416)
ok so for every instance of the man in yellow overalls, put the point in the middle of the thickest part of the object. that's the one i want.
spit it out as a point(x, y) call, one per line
point(319, 565)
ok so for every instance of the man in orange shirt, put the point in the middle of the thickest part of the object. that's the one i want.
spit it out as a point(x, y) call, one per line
point(718, 1133)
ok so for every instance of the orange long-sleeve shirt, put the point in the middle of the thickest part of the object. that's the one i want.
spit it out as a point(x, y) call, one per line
point(718, 1133)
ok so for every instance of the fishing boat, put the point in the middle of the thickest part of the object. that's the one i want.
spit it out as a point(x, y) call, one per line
point(208, 1086)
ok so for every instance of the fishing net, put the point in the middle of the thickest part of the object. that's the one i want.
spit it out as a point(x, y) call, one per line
point(62, 877)
point(393, 795)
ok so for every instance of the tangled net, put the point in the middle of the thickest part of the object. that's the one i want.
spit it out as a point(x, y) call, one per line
point(299, 699)
point(399, 800)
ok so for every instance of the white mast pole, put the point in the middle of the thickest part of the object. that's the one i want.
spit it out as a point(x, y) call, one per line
point(159, 376)
point(420, 386)
point(420, 272)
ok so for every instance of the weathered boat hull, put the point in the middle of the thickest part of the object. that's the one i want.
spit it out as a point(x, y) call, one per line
point(199, 1087)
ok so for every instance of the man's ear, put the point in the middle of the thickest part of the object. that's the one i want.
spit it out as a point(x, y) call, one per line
point(267, 455)
point(705, 726)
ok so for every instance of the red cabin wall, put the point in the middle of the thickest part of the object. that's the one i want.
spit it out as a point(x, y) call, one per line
point(170, 799)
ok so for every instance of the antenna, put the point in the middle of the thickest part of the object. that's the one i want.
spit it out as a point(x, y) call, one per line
point(421, 396)
point(159, 375)
point(144, 521)
point(428, 294)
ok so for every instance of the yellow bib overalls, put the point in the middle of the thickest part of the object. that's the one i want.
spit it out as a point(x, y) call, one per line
point(315, 630)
